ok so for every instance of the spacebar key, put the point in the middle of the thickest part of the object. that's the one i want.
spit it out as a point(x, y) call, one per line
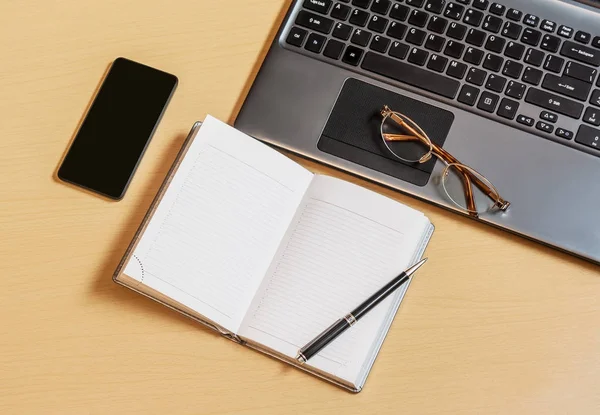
point(411, 75)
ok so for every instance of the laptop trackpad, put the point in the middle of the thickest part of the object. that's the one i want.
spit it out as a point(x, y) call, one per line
point(352, 131)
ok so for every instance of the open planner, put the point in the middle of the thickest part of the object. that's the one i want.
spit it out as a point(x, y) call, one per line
point(251, 244)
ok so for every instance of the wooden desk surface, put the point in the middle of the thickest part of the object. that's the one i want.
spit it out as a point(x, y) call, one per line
point(492, 324)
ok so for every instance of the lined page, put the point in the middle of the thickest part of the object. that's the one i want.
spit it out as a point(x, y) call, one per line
point(218, 226)
point(344, 244)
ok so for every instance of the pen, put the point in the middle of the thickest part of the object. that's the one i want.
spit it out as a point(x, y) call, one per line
point(350, 319)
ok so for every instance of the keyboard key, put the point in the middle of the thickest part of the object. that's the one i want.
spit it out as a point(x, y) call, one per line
point(475, 37)
point(342, 31)
point(399, 50)
point(545, 127)
point(466, 2)
point(412, 75)
point(456, 70)
point(361, 37)
point(399, 12)
point(488, 101)
point(550, 43)
point(531, 20)
point(595, 98)
point(534, 57)
point(435, 6)
point(497, 9)
point(381, 6)
point(566, 134)
point(333, 49)
point(456, 31)
point(397, 30)
point(492, 24)
point(531, 37)
point(493, 62)
point(473, 17)
point(474, 56)
point(435, 42)
point(511, 30)
point(361, 3)
point(468, 95)
point(554, 102)
point(495, 44)
point(514, 50)
point(315, 42)
point(321, 6)
point(508, 108)
point(377, 24)
point(352, 55)
point(549, 116)
point(418, 56)
point(596, 42)
point(314, 22)
point(554, 64)
point(437, 63)
point(380, 44)
point(565, 31)
point(476, 76)
point(418, 18)
point(532, 76)
point(581, 72)
point(296, 36)
point(481, 4)
point(512, 69)
point(525, 120)
point(340, 11)
point(592, 116)
point(548, 26)
point(454, 49)
point(416, 36)
point(359, 17)
point(415, 3)
point(581, 53)
point(454, 11)
point(437, 24)
point(514, 14)
point(588, 136)
point(515, 90)
point(495, 83)
point(583, 37)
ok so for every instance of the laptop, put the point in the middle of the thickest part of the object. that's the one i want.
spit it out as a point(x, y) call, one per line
point(510, 88)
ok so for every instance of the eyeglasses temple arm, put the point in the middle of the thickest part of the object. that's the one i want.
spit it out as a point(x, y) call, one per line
point(449, 158)
point(471, 207)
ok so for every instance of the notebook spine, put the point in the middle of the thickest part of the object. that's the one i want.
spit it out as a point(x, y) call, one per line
point(233, 337)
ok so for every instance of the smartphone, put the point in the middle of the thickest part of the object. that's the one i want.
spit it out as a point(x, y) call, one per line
point(117, 128)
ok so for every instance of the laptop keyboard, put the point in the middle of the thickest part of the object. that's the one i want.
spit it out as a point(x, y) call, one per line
point(479, 54)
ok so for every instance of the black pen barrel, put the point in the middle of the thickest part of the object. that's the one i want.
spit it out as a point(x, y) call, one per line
point(323, 339)
point(379, 296)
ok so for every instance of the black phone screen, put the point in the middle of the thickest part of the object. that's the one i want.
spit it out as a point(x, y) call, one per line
point(117, 128)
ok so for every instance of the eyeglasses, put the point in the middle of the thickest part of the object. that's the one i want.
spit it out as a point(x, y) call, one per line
point(408, 142)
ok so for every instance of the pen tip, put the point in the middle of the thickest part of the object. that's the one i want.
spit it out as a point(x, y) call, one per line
point(415, 267)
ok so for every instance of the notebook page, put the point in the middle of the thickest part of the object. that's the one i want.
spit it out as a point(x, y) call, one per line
point(344, 244)
point(214, 233)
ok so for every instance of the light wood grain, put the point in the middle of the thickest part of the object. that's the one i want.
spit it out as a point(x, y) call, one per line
point(493, 323)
